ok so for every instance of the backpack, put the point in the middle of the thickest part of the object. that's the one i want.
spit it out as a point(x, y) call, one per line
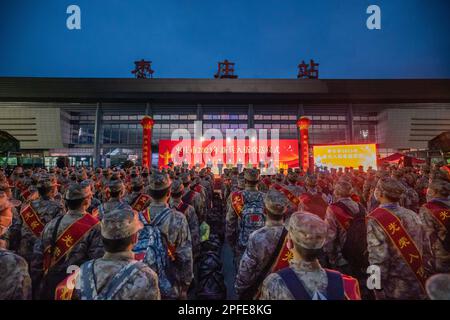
point(335, 288)
point(155, 245)
point(252, 216)
point(88, 284)
point(354, 249)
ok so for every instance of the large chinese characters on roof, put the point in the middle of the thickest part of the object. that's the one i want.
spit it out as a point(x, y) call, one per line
point(260, 153)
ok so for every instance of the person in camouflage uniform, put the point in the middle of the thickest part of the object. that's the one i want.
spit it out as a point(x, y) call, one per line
point(438, 193)
point(95, 203)
point(261, 246)
point(176, 192)
point(337, 234)
point(137, 188)
point(291, 184)
point(46, 208)
point(98, 278)
point(307, 235)
point(398, 281)
point(117, 192)
point(234, 231)
point(12, 235)
point(175, 229)
point(196, 198)
point(15, 282)
point(89, 246)
point(421, 184)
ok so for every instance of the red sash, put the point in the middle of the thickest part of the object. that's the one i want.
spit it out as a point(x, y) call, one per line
point(351, 287)
point(140, 202)
point(187, 198)
point(64, 289)
point(198, 188)
point(283, 258)
point(20, 186)
point(25, 194)
point(342, 217)
point(400, 238)
point(31, 219)
point(182, 207)
point(291, 197)
point(441, 214)
point(68, 239)
point(237, 202)
point(314, 204)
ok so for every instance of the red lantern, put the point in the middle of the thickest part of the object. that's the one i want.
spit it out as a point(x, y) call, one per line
point(303, 125)
point(147, 127)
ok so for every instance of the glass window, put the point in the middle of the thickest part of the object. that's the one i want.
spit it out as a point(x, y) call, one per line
point(174, 117)
point(276, 117)
point(292, 117)
point(258, 117)
point(165, 117)
point(183, 116)
point(157, 117)
point(284, 117)
point(243, 117)
point(192, 117)
point(133, 117)
point(106, 118)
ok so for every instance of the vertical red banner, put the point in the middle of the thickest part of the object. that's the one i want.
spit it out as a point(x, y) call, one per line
point(303, 126)
point(147, 126)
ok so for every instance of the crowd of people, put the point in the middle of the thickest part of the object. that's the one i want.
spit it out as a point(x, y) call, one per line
point(136, 233)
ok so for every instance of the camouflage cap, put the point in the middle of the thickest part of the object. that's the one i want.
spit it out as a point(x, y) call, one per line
point(307, 230)
point(441, 187)
point(159, 181)
point(275, 202)
point(343, 188)
point(251, 174)
point(196, 181)
point(202, 173)
point(77, 192)
point(438, 286)
point(241, 181)
point(279, 177)
point(120, 223)
point(106, 171)
point(311, 181)
point(292, 176)
point(137, 182)
point(185, 178)
point(7, 203)
point(82, 175)
point(47, 181)
point(177, 186)
point(115, 185)
point(391, 187)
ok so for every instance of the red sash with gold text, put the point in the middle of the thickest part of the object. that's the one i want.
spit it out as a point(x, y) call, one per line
point(31, 219)
point(342, 217)
point(237, 202)
point(68, 239)
point(140, 202)
point(400, 238)
point(440, 213)
point(64, 289)
point(291, 197)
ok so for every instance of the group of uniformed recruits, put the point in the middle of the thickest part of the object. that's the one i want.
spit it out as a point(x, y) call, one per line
point(134, 234)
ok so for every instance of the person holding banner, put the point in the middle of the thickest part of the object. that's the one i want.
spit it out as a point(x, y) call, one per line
point(397, 244)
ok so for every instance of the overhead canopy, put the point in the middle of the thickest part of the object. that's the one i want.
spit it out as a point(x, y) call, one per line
point(397, 157)
point(8, 143)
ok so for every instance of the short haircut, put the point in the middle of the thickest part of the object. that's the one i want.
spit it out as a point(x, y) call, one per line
point(308, 255)
point(117, 245)
point(251, 183)
point(158, 194)
point(43, 191)
point(115, 194)
point(74, 204)
point(136, 188)
point(176, 195)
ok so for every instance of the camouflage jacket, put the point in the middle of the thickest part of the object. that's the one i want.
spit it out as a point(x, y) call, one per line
point(260, 248)
point(142, 285)
point(175, 228)
point(15, 282)
point(397, 279)
point(193, 225)
point(312, 275)
point(337, 234)
point(232, 219)
point(110, 205)
point(198, 202)
point(47, 210)
point(436, 232)
point(89, 247)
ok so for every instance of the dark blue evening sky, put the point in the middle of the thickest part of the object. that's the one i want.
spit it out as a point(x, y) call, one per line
point(186, 38)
